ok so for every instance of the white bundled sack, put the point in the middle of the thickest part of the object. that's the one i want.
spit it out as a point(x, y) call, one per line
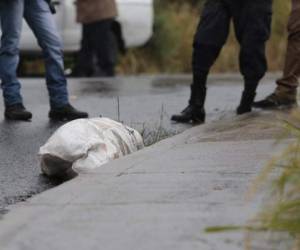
point(86, 144)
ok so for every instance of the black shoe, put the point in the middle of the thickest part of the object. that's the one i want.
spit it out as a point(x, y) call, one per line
point(246, 103)
point(274, 101)
point(17, 112)
point(66, 113)
point(194, 114)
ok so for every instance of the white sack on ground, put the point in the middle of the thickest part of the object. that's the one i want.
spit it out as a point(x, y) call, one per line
point(86, 144)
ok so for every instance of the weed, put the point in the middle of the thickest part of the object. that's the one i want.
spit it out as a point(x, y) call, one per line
point(280, 217)
point(158, 133)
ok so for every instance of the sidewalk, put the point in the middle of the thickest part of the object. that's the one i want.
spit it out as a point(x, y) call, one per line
point(161, 198)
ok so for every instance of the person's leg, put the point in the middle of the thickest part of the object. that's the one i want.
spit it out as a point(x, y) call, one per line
point(289, 82)
point(105, 46)
point(11, 16)
point(211, 35)
point(38, 16)
point(252, 22)
point(285, 95)
point(85, 63)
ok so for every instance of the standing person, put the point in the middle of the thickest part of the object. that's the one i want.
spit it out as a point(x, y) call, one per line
point(285, 94)
point(252, 23)
point(38, 15)
point(98, 40)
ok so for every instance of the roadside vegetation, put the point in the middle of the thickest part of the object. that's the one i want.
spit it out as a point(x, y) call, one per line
point(170, 49)
point(152, 135)
point(277, 226)
point(281, 215)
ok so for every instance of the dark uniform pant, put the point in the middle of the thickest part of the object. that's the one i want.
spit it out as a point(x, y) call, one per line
point(252, 24)
point(98, 48)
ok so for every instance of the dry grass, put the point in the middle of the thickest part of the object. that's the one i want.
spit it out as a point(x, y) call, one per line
point(170, 48)
point(282, 213)
point(280, 216)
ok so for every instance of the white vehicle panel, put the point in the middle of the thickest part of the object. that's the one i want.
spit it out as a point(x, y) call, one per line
point(72, 30)
point(135, 18)
point(136, 21)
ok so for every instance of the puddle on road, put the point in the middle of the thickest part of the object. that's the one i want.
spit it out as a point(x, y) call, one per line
point(106, 87)
point(170, 82)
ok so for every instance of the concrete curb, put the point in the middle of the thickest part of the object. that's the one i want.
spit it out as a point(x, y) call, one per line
point(162, 197)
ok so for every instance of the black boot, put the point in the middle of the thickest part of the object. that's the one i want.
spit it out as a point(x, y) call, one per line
point(191, 113)
point(204, 57)
point(17, 112)
point(66, 113)
point(194, 112)
point(246, 102)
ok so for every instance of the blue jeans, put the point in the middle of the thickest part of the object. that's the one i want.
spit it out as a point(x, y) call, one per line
point(39, 18)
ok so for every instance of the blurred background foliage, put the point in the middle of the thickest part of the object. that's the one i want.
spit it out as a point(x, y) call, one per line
point(170, 49)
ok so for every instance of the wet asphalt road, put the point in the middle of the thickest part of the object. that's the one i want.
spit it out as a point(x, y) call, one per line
point(145, 103)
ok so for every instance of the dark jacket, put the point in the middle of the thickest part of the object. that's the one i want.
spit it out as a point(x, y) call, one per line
point(89, 11)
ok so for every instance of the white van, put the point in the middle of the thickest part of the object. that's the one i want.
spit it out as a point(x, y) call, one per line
point(135, 25)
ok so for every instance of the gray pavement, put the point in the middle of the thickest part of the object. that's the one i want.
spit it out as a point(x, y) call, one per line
point(145, 102)
point(159, 198)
